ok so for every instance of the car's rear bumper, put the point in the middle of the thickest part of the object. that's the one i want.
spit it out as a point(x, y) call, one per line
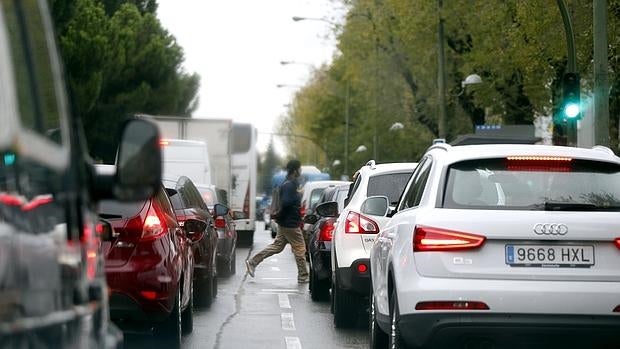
point(126, 308)
point(446, 330)
point(352, 279)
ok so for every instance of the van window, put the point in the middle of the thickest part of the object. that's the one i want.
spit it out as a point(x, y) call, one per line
point(184, 153)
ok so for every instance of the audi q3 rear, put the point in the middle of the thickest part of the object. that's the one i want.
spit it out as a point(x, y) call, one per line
point(503, 245)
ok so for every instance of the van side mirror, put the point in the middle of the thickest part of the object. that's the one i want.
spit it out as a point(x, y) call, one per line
point(220, 210)
point(327, 209)
point(138, 168)
point(376, 206)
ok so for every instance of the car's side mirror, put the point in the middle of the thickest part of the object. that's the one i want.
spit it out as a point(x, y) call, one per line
point(327, 209)
point(376, 206)
point(105, 230)
point(194, 229)
point(138, 166)
point(310, 219)
point(220, 210)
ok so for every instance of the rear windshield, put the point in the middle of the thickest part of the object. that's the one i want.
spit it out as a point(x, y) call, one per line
point(390, 185)
point(315, 195)
point(540, 184)
point(115, 209)
point(208, 196)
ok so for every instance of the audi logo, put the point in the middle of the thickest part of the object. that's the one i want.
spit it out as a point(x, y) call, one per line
point(550, 229)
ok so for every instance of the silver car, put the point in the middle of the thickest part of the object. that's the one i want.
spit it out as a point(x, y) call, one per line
point(511, 245)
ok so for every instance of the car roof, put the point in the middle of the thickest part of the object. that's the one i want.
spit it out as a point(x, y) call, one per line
point(466, 152)
point(323, 184)
point(371, 169)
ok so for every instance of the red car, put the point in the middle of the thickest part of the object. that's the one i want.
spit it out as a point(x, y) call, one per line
point(149, 267)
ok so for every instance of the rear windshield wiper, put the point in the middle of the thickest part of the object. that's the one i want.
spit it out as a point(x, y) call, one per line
point(576, 206)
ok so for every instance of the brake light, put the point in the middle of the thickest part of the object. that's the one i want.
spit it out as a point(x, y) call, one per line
point(220, 223)
point(617, 243)
point(302, 210)
point(163, 143)
point(90, 241)
point(150, 295)
point(153, 227)
point(539, 163)
point(451, 305)
point(436, 239)
point(327, 230)
point(358, 224)
point(362, 268)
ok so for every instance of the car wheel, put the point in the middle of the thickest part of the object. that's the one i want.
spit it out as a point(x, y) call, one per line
point(395, 340)
point(205, 292)
point(170, 331)
point(187, 317)
point(378, 338)
point(345, 307)
point(318, 289)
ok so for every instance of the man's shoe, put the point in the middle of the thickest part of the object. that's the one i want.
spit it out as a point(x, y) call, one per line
point(303, 281)
point(249, 267)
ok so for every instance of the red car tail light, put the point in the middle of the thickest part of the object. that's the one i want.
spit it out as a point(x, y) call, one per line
point(437, 239)
point(358, 224)
point(539, 163)
point(153, 227)
point(302, 210)
point(150, 295)
point(327, 230)
point(451, 305)
point(220, 223)
point(617, 243)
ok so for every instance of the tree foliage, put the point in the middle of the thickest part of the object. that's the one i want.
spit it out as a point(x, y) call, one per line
point(387, 55)
point(120, 61)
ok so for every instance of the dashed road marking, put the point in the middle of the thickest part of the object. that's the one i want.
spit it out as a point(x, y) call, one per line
point(288, 323)
point(277, 278)
point(284, 301)
point(292, 343)
point(282, 290)
point(275, 269)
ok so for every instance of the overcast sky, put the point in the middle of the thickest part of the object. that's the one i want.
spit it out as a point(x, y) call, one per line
point(236, 47)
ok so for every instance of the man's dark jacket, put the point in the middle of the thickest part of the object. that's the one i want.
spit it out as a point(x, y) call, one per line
point(290, 200)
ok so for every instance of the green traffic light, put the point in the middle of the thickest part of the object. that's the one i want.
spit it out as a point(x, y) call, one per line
point(571, 110)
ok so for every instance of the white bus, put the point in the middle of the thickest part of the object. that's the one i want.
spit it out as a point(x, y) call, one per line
point(244, 180)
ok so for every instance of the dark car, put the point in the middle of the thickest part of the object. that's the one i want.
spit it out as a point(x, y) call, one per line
point(53, 292)
point(188, 204)
point(226, 232)
point(149, 267)
point(320, 240)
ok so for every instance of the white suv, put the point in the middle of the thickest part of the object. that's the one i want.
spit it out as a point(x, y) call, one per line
point(510, 245)
point(355, 233)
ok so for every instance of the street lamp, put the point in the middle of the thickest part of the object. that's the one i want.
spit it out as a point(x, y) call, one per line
point(471, 79)
point(295, 62)
point(298, 18)
point(361, 148)
point(288, 85)
point(397, 126)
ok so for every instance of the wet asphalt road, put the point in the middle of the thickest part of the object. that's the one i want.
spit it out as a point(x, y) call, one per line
point(270, 310)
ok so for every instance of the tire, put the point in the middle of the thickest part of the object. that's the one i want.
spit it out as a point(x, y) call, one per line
point(378, 338)
point(187, 317)
point(345, 307)
point(205, 292)
point(229, 268)
point(170, 331)
point(319, 289)
point(395, 340)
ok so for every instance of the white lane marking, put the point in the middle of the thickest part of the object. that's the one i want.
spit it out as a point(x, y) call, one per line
point(284, 301)
point(285, 290)
point(292, 343)
point(275, 268)
point(277, 278)
point(288, 323)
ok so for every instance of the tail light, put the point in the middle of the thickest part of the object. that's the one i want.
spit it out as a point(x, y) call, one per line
point(220, 223)
point(362, 268)
point(539, 163)
point(153, 227)
point(358, 224)
point(437, 239)
point(451, 305)
point(327, 229)
point(90, 241)
point(617, 243)
point(302, 210)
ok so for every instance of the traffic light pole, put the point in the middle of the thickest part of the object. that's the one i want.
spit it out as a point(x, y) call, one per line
point(601, 91)
point(572, 65)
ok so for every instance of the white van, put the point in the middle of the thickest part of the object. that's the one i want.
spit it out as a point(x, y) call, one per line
point(186, 158)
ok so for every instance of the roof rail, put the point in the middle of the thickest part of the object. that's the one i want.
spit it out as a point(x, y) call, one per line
point(604, 149)
point(371, 164)
point(439, 143)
